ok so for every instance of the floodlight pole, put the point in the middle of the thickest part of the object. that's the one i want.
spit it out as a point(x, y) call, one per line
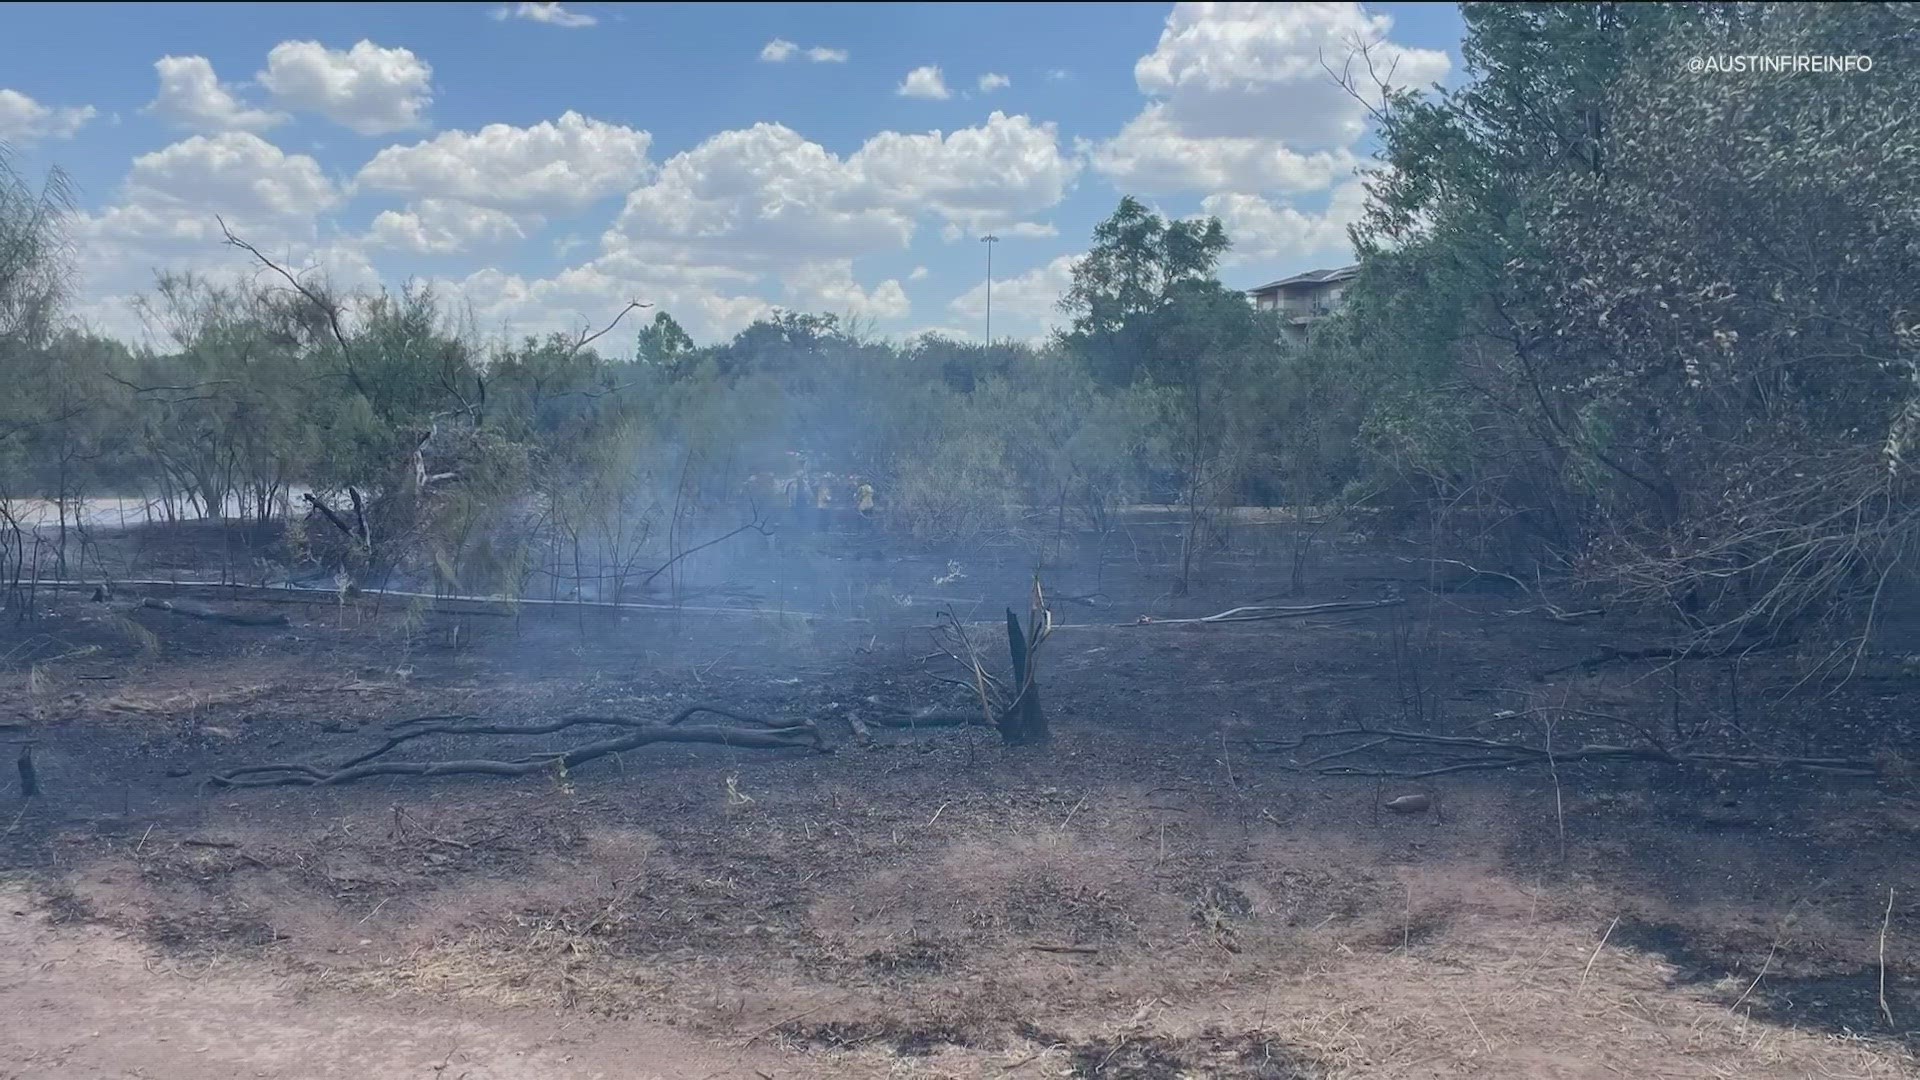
point(989, 240)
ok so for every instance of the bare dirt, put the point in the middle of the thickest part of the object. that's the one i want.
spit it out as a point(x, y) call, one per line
point(1154, 895)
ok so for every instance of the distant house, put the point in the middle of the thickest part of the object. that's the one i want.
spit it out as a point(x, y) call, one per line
point(1305, 298)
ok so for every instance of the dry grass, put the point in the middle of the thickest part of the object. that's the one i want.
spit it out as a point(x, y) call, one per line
point(184, 702)
point(1495, 979)
point(1511, 1003)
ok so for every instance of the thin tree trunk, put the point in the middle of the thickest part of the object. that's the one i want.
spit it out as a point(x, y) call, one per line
point(1025, 724)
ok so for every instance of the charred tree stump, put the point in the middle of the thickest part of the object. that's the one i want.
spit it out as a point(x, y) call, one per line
point(1014, 711)
point(1025, 722)
point(29, 775)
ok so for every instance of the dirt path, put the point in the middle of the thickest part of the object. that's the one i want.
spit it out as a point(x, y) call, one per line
point(86, 1001)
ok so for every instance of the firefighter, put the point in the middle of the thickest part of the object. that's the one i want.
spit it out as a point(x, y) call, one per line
point(797, 488)
point(822, 503)
point(863, 501)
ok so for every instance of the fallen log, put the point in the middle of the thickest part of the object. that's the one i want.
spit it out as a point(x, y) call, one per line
point(189, 609)
point(764, 735)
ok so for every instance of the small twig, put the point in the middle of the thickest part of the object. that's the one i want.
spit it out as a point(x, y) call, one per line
point(770, 1029)
point(1468, 1013)
point(1559, 803)
point(1075, 950)
point(1499, 754)
point(1596, 955)
point(1765, 966)
point(1035, 1056)
point(1253, 613)
point(1885, 1009)
point(937, 813)
point(1076, 809)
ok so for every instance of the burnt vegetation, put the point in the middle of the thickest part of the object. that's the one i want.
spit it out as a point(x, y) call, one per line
point(1593, 501)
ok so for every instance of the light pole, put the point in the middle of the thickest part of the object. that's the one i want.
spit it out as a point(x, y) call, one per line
point(989, 240)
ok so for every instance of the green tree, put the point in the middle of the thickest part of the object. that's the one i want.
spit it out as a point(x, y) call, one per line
point(1131, 283)
point(1646, 322)
point(1149, 312)
point(662, 343)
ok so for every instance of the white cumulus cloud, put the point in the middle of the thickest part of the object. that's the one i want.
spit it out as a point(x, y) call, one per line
point(191, 96)
point(445, 227)
point(1242, 101)
point(992, 81)
point(552, 14)
point(589, 295)
point(1025, 305)
point(566, 163)
point(24, 119)
point(1155, 155)
point(980, 177)
point(235, 170)
point(1259, 70)
point(830, 287)
point(367, 89)
point(168, 213)
point(780, 50)
point(1264, 230)
point(755, 197)
point(761, 212)
point(766, 196)
point(925, 82)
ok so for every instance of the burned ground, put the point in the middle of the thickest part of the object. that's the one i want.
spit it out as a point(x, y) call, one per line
point(1153, 895)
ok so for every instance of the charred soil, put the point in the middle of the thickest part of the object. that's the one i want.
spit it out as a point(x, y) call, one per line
point(1154, 894)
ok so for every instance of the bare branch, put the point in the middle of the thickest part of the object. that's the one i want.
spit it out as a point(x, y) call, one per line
point(587, 339)
point(138, 389)
point(756, 525)
point(325, 305)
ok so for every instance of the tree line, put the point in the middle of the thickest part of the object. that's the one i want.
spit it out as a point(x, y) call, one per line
point(1619, 327)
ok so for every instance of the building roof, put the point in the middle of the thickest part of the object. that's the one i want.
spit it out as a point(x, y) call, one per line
point(1312, 277)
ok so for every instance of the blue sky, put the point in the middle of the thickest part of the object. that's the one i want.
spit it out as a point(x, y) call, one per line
point(543, 163)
